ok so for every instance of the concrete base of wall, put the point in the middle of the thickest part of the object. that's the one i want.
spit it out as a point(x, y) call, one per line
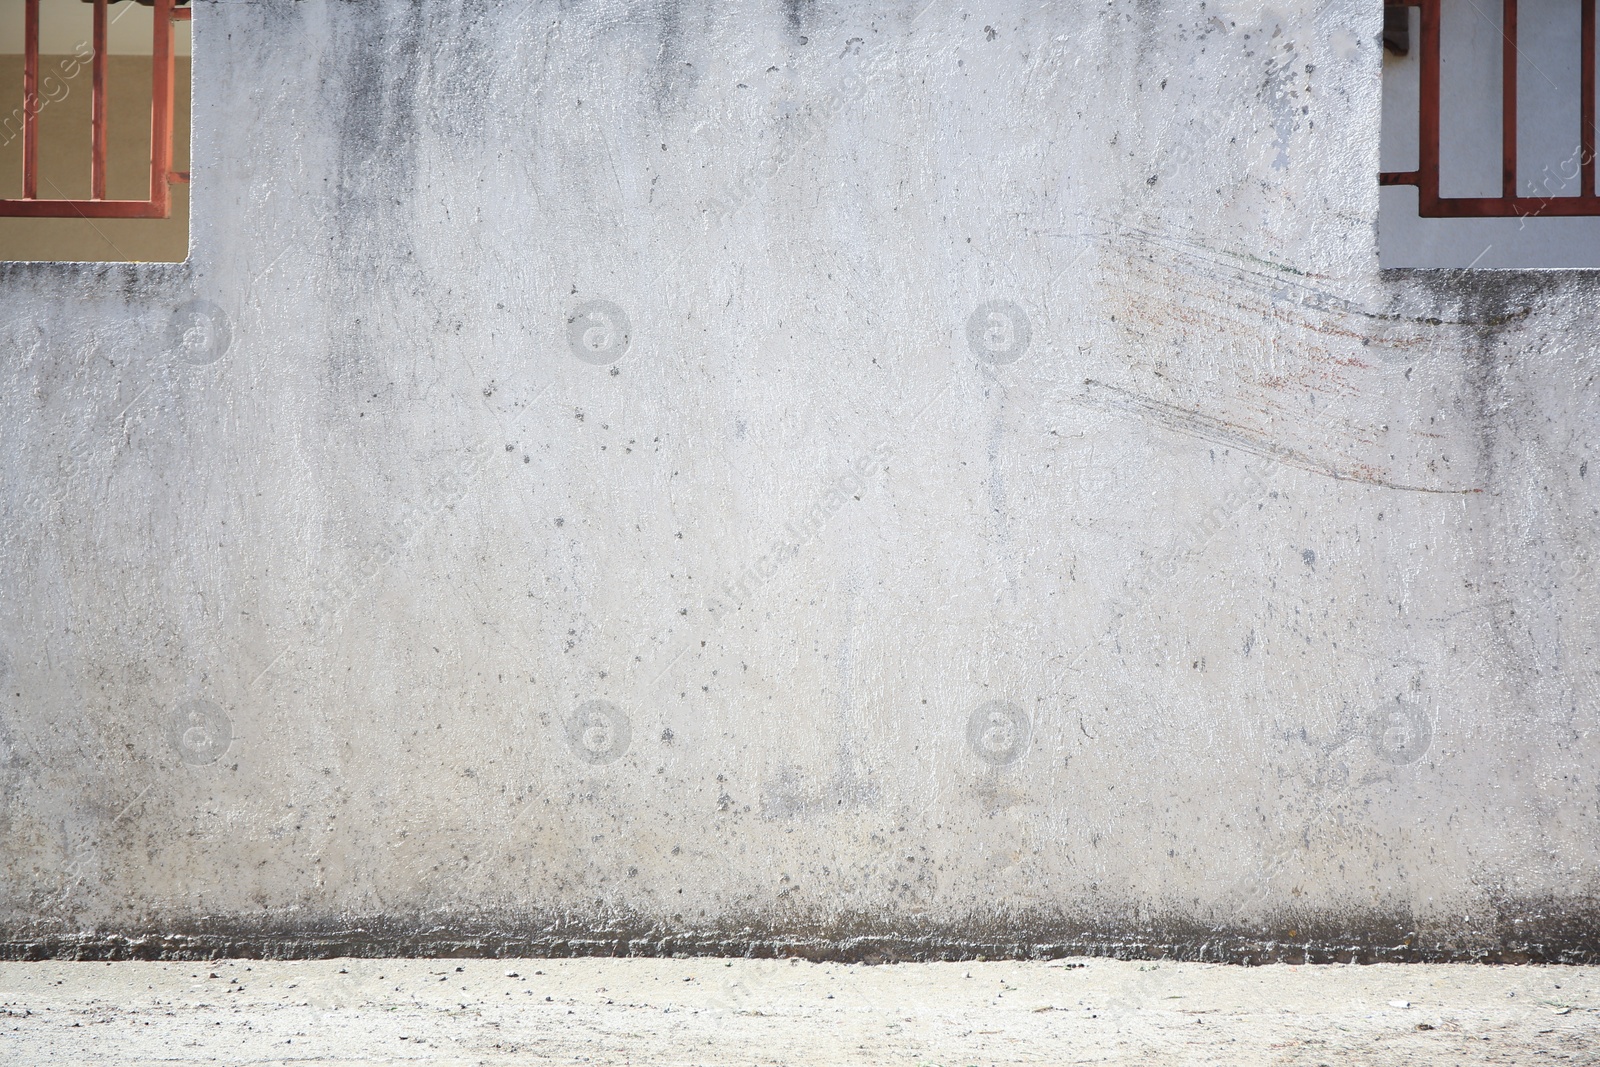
point(1532, 932)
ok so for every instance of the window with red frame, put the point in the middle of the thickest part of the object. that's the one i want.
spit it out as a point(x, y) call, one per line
point(1489, 133)
point(92, 136)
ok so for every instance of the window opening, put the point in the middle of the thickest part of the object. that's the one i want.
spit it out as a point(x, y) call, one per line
point(1510, 202)
point(99, 132)
point(1488, 154)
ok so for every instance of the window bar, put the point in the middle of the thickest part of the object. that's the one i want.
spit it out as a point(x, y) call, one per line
point(97, 134)
point(1508, 101)
point(1428, 124)
point(30, 101)
point(1586, 151)
point(161, 63)
point(175, 15)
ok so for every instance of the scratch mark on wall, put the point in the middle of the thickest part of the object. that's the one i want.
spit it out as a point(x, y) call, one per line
point(1210, 428)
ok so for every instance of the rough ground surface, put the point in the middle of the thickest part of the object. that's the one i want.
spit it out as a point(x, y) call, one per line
point(715, 1011)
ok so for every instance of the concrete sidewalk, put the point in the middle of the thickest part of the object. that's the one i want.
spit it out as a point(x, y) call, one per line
point(715, 1011)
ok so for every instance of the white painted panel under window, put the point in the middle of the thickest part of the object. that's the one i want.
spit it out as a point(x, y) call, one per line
point(1402, 101)
point(1549, 97)
point(1470, 51)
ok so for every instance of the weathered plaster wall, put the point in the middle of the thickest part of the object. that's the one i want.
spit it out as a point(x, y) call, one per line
point(1014, 512)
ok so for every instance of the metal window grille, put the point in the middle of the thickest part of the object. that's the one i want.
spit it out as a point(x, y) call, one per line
point(163, 74)
point(1508, 204)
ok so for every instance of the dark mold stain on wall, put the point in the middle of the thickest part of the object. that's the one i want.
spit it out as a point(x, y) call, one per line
point(674, 73)
point(372, 75)
point(799, 17)
point(377, 75)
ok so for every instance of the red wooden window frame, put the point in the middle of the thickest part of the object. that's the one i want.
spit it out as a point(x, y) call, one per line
point(1430, 205)
point(163, 63)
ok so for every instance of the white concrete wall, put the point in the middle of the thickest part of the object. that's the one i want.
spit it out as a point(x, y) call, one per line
point(830, 477)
